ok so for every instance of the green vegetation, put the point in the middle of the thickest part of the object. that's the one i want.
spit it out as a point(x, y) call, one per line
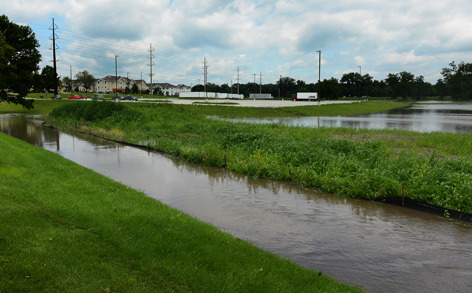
point(19, 58)
point(433, 167)
point(40, 107)
point(65, 228)
point(323, 110)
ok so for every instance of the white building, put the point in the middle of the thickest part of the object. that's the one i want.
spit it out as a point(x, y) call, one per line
point(172, 90)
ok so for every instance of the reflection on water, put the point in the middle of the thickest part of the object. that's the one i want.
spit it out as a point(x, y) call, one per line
point(423, 118)
point(380, 247)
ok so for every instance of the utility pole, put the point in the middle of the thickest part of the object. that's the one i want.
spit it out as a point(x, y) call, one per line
point(71, 86)
point(238, 79)
point(141, 85)
point(116, 76)
point(205, 76)
point(254, 89)
point(54, 55)
point(319, 76)
point(151, 64)
point(280, 86)
point(260, 83)
point(360, 77)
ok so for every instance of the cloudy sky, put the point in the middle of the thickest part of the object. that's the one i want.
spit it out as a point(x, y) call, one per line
point(268, 37)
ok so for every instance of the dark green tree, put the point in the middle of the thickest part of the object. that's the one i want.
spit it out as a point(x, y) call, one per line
point(134, 89)
point(47, 78)
point(85, 79)
point(198, 88)
point(401, 84)
point(330, 89)
point(458, 79)
point(37, 83)
point(19, 59)
point(225, 88)
point(287, 86)
point(441, 88)
point(157, 91)
point(67, 83)
point(351, 84)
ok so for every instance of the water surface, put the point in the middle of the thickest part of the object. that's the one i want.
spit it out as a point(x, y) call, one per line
point(456, 118)
point(381, 247)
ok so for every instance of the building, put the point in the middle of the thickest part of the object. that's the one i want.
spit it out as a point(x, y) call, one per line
point(110, 84)
point(172, 90)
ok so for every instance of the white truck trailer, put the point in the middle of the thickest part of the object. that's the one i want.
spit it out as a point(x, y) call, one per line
point(305, 97)
point(260, 96)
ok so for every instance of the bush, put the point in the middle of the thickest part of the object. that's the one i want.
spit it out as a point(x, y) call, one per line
point(95, 111)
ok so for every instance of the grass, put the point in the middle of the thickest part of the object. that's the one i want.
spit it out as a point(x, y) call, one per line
point(435, 168)
point(323, 110)
point(66, 228)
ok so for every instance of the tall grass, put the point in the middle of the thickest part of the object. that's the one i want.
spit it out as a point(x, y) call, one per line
point(355, 163)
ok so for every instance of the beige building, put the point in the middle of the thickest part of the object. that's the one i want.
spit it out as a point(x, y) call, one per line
point(110, 84)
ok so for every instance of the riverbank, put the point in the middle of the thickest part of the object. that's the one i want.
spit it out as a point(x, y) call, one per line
point(433, 168)
point(67, 228)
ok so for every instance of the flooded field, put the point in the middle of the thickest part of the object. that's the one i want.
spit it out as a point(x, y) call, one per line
point(456, 118)
point(382, 248)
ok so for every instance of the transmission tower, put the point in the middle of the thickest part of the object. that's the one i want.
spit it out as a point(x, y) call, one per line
point(151, 63)
point(53, 38)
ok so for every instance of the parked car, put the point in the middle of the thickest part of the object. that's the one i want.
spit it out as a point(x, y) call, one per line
point(130, 98)
point(98, 97)
point(74, 97)
point(117, 97)
point(83, 97)
point(56, 97)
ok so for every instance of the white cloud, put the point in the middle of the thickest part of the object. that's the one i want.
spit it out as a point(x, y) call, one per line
point(359, 60)
point(279, 36)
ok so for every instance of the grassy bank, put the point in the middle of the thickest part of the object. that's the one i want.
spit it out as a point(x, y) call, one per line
point(435, 168)
point(65, 228)
point(323, 110)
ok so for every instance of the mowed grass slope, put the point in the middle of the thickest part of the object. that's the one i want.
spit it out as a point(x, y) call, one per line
point(66, 228)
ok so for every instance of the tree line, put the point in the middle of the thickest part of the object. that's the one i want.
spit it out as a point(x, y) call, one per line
point(456, 83)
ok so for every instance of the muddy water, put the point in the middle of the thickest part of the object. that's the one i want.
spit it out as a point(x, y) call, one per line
point(455, 118)
point(380, 247)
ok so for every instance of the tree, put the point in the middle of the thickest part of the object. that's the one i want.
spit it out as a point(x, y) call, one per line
point(68, 83)
point(407, 80)
point(134, 89)
point(287, 86)
point(458, 80)
point(351, 84)
point(157, 91)
point(441, 88)
point(47, 78)
point(19, 59)
point(85, 79)
point(198, 88)
point(330, 88)
point(401, 84)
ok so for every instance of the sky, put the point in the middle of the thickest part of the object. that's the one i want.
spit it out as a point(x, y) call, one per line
point(262, 39)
